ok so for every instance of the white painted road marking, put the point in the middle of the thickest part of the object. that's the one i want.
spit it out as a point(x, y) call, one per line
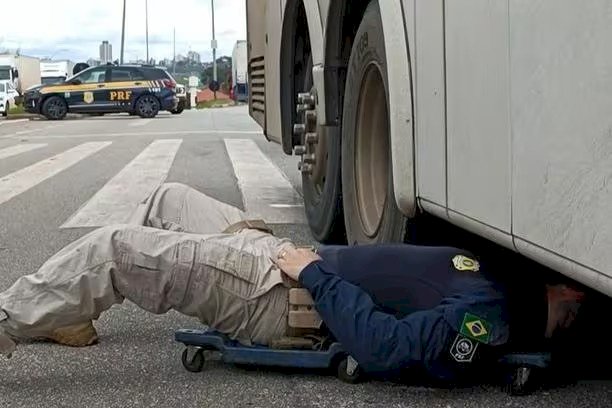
point(9, 121)
point(266, 192)
point(155, 133)
point(285, 205)
point(16, 183)
point(140, 122)
point(119, 198)
point(25, 132)
point(18, 149)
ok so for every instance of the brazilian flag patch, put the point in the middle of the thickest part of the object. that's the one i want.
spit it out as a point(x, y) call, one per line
point(476, 328)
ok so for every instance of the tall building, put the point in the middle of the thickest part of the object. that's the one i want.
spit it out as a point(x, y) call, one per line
point(194, 57)
point(106, 52)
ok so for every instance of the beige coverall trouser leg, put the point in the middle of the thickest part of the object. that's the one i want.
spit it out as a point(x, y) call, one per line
point(176, 259)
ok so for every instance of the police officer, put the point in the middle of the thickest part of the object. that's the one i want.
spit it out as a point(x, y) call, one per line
point(428, 311)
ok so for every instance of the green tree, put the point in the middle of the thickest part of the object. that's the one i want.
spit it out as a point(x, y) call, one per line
point(224, 73)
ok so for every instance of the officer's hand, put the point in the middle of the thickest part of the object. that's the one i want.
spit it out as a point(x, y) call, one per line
point(292, 261)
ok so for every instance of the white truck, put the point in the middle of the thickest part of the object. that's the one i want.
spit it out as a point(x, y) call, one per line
point(494, 115)
point(52, 72)
point(19, 70)
point(239, 71)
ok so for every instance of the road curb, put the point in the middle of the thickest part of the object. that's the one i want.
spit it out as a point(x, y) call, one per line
point(22, 117)
point(17, 116)
point(6, 122)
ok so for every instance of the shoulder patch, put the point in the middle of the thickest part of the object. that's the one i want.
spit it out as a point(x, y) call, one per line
point(463, 263)
point(476, 328)
point(463, 349)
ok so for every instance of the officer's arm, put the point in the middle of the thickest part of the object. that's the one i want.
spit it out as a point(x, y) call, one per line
point(378, 341)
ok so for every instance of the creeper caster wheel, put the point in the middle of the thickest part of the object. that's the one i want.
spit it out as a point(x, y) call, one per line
point(348, 370)
point(520, 383)
point(193, 359)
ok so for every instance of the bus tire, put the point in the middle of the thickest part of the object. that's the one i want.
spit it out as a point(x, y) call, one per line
point(322, 188)
point(370, 212)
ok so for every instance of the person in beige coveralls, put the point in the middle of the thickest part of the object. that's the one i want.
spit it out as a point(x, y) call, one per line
point(228, 280)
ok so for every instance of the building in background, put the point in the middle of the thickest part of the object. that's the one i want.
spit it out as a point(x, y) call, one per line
point(194, 57)
point(106, 52)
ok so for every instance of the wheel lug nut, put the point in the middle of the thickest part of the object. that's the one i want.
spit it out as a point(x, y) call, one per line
point(305, 168)
point(311, 118)
point(302, 96)
point(311, 138)
point(309, 158)
point(306, 98)
point(299, 129)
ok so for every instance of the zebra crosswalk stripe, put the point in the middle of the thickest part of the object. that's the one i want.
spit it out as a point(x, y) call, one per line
point(266, 192)
point(119, 198)
point(265, 189)
point(140, 122)
point(22, 180)
point(18, 149)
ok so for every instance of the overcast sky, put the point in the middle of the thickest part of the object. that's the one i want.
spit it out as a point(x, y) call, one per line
point(74, 29)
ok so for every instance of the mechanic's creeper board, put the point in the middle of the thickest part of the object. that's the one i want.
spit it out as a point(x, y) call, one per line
point(331, 357)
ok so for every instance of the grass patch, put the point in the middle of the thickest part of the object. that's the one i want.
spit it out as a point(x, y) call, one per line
point(16, 109)
point(214, 103)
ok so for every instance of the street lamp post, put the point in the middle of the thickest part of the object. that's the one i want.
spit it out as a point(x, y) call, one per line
point(147, 26)
point(214, 46)
point(174, 51)
point(123, 33)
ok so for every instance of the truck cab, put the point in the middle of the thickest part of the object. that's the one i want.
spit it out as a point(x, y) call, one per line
point(8, 75)
point(21, 71)
point(7, 99)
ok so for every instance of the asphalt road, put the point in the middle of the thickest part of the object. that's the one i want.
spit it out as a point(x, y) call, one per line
point(137, 362)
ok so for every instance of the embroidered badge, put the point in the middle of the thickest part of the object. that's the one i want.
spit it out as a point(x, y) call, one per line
point(463, 263)
point(476, 328)
point(463, 349)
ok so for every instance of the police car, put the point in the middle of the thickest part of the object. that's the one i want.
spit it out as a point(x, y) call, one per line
point(137, 89)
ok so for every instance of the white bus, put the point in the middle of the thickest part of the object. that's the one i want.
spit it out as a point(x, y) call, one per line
point(495, 115)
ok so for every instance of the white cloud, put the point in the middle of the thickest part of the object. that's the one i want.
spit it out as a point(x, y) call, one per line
point(75, 28)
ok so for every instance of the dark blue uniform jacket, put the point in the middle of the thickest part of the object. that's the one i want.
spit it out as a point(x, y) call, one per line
point(408, 309)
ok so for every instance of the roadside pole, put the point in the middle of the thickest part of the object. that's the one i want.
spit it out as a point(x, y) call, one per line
point(147, 26)
point(123, 33)
point(214, 47)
